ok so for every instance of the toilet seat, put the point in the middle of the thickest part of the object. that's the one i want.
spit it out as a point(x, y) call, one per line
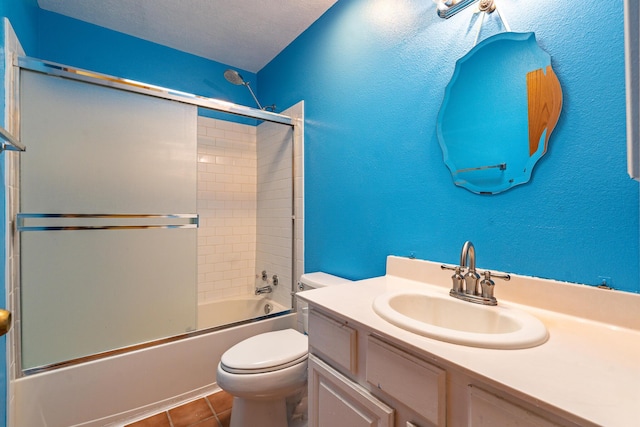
point(267, 352)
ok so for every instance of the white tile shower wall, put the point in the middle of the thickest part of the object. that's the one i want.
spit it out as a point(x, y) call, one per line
point(274, 214)
point(227, 208)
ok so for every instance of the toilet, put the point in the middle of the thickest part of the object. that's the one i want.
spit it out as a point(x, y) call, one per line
point(265, 371)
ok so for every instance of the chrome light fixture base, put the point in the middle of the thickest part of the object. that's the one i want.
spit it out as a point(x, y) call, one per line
point(448, 8)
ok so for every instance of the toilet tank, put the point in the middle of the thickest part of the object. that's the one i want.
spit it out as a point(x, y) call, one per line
point(310, 281)
point(319, 280)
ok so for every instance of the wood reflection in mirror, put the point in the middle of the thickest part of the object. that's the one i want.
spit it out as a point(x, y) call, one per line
point(544, 97)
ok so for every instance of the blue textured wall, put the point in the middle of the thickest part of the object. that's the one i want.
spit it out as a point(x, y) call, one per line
point(72, 42)
point(372, 74)
point(83, 45)
point(23, 15)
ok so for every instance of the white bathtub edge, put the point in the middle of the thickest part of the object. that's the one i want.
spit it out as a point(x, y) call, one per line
point(155, 378)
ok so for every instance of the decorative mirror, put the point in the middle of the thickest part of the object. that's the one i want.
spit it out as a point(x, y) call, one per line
point(498, 112)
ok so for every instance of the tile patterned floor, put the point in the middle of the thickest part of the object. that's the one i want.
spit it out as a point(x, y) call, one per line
point(210, 411)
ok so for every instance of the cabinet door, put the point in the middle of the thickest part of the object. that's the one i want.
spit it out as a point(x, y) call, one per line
point(335, 401)
point(489, 410)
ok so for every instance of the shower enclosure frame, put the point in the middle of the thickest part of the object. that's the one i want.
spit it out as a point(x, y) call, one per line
point(91, 77)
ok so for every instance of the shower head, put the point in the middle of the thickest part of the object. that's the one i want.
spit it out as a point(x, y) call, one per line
point(235, 78)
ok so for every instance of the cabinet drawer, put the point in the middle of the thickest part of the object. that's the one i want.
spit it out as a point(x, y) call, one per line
point(334, 340)
point(416, 383)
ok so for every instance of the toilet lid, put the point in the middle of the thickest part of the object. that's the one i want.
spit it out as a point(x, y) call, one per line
point(266, 352)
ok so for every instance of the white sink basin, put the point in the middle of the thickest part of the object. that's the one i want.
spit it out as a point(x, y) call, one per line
point(452, 320)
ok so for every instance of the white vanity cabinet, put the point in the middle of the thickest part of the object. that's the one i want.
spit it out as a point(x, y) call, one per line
point(335, 400)
point(359, 378)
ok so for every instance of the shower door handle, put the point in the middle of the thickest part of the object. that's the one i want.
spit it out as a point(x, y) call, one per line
point(5, 321)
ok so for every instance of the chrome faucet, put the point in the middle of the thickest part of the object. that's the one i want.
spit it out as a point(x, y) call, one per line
point(264, 290)
point(469, 287)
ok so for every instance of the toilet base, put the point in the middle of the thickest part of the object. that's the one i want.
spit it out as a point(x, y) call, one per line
point(259, 412)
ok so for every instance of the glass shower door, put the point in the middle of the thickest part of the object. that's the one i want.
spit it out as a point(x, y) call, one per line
point(108, 202)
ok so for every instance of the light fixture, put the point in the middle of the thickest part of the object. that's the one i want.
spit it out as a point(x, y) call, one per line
point(448, 8)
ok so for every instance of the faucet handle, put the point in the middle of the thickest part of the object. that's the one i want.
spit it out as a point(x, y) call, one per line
point(487, 285)
point(503, 276)
point(457, 278)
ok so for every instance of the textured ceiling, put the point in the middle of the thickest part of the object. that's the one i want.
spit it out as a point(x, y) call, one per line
point(246, 34)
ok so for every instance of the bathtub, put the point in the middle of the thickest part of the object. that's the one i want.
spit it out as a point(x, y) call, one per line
point(117, 390)
point(226, 311)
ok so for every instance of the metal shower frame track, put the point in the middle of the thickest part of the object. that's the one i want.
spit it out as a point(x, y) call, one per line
point(128, 85)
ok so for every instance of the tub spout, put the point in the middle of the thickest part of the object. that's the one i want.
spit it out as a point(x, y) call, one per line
point(264, 290)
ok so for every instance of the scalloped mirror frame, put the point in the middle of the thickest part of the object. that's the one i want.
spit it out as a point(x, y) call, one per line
point(498, 112)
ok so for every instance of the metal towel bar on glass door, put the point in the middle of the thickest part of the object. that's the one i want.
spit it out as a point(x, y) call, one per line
point(9, 142)
point(127, 221)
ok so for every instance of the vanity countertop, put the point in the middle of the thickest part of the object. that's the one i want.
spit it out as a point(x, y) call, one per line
point(589, 368)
